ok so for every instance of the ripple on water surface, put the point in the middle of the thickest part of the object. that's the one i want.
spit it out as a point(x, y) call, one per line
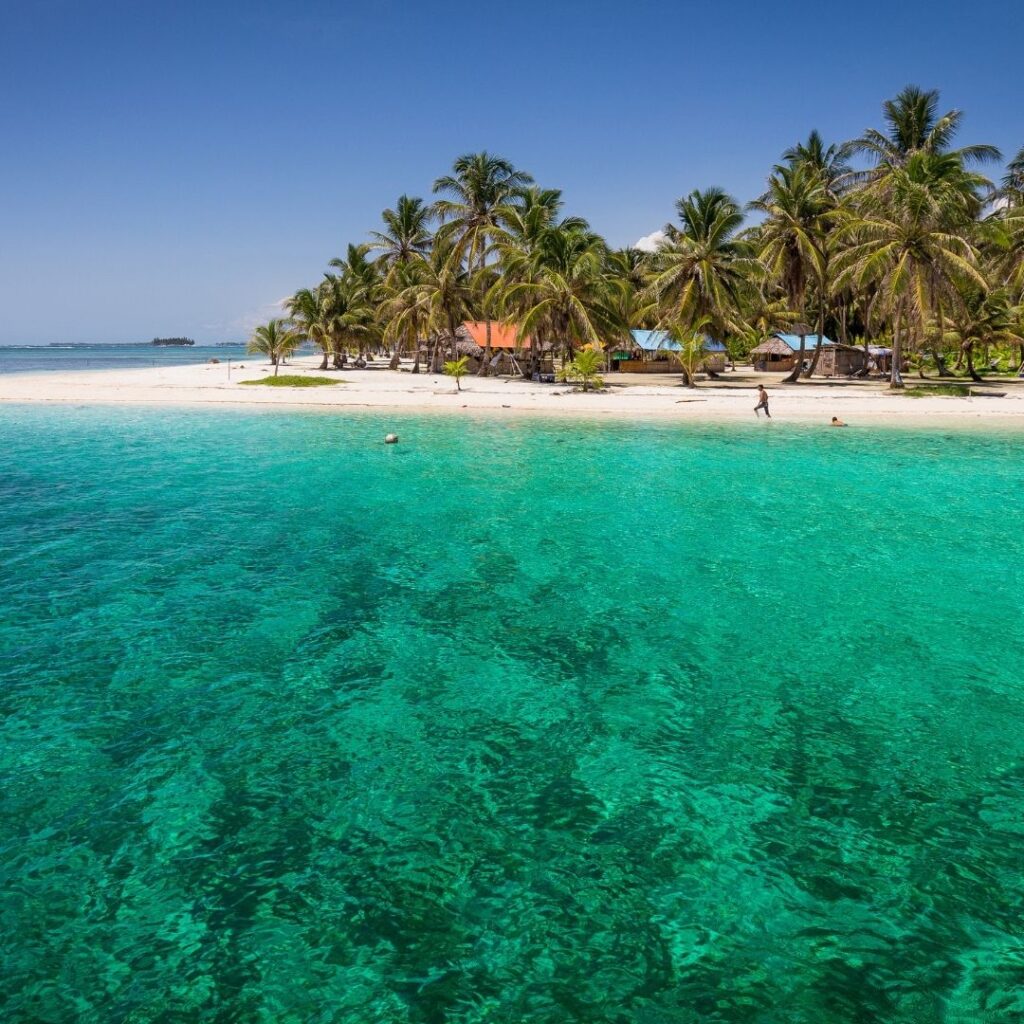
point(508, 722)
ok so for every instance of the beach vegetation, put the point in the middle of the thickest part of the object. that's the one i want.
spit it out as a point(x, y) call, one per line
point(584, 370)
point(931, 390)
point(276, 339)
point(457, 369)
point(294, 380)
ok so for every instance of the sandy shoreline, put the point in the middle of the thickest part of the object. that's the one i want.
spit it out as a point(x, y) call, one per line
point(378, 390)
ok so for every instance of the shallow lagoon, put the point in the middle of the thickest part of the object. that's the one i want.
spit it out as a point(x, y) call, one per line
point(514, 721)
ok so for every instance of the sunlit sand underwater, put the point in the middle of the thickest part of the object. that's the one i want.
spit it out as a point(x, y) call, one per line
point(513, 721)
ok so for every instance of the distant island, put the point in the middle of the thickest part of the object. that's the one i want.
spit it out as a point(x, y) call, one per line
point(180, 342)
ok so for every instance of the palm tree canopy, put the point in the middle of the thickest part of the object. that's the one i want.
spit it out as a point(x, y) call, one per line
point(479, 185)
point(702, 268)
point(406, 233)
point(914, 125)
point(798, 211)
point(829, 162)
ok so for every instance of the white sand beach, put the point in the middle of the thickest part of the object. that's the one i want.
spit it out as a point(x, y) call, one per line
point(732, 397)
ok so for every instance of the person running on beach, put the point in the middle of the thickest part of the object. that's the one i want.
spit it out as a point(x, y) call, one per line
point(762, 402)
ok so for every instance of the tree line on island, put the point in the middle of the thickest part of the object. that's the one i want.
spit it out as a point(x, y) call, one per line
point(896, 236)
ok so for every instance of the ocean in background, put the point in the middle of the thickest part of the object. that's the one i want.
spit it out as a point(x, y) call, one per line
point(37, 358)
point(515, 721)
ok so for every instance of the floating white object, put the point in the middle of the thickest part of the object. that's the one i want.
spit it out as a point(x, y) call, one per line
point(391, 439)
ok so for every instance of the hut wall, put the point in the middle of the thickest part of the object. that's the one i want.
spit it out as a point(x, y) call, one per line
point(773, 363)
point(645, 366)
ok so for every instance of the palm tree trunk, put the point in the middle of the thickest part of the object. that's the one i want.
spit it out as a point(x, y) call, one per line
point(971, 371)
point(323, 362)
point(821, 338)
point(276, 363)
point(895, 376)
point(485, 366)
point(794, 374)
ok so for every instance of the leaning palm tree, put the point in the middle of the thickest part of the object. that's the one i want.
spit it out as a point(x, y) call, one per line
point(700, 272)
point(473, 198)
point(798, 211)
point(274, 339)
point(907, 245)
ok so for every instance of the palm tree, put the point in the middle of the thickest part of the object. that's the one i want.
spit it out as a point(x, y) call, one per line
point(437, 301)
point(699, 274)
point(400, 311)
point(457, 368)
point(907, 244)
point(985, 319)
point(275, 340)
point(307, 315)
point(914, 125)
point(794, 243)
point(1013, 180)
point(584, 369)
point(828, 162)
point(406, 235)
point(348, 313)
point(360, 295)
point(559, 291)
point(474, 195)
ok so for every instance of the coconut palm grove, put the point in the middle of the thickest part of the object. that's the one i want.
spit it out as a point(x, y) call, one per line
point(903, 237)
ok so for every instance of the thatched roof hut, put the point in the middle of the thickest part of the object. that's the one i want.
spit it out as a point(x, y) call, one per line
point(773, 346)
point(780, 351)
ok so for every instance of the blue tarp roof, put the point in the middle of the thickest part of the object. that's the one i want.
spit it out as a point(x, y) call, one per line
point(810, 341)
point(661, 341)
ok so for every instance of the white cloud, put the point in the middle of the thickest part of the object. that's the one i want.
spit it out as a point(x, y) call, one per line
point(650, 243)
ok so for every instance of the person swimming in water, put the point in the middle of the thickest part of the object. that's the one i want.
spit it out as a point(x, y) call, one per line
point(762, 402)
point(837, 422)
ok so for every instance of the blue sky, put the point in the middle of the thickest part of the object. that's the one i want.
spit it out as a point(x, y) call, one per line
point(176, 168)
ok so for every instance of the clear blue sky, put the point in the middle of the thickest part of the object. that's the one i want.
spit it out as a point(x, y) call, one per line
point(175, 168)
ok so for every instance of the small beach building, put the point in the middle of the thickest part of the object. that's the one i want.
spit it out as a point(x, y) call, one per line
point(652, 352)
point(506, 351)
point(780, 352)
point(840, 360)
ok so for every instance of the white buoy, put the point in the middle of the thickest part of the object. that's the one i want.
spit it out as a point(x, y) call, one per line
point(391, 439)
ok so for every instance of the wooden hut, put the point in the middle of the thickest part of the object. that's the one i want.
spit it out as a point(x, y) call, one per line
point(781, 351)
point(654, 352)
point(773, 354)
point(840, 360)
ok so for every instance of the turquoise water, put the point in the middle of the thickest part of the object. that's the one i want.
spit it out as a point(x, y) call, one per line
point(37, 358)
point(515, 721)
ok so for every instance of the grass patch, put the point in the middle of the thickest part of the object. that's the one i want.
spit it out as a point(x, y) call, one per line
point(951, 390)
point(292, 380)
